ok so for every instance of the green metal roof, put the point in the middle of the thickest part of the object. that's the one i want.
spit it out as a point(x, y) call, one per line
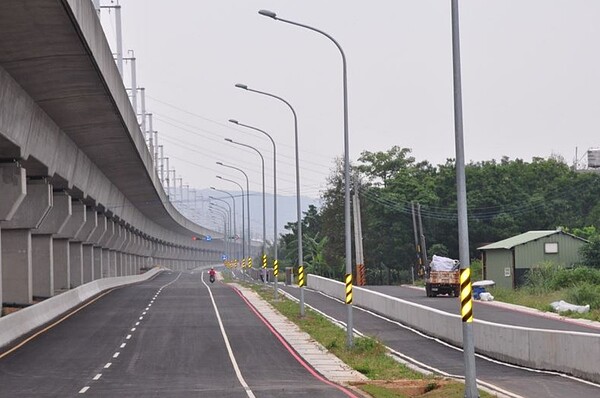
point(518, 240)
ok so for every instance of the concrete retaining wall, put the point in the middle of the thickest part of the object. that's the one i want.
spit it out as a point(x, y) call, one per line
point(573, 353)
point(19, 323)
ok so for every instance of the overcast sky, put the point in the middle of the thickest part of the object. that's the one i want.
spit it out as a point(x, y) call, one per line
point(531, 81)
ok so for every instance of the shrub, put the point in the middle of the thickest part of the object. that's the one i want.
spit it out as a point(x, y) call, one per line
point(539, 279)
point(585, 293)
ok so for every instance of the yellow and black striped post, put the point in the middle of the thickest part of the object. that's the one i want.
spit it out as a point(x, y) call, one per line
point(249, 262)
point(275, 268)
point(348, 288)
point(243, 263)
point(466, 295)
point(301, 279)
point(264, 261)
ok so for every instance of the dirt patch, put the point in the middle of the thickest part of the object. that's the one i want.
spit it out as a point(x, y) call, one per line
point(408, 388)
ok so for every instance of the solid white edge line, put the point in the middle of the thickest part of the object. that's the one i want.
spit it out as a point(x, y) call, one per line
point(236, 368)
point(485, 358)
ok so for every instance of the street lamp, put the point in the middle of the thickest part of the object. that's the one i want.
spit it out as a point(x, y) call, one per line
point(222, 212)
point(298, 205)
point(262, 160)
point(275, 254)
point(347, 220)
point(234, 216)
point(247, 200)
point(243, 222)
point(463, 226)
point(230, 216)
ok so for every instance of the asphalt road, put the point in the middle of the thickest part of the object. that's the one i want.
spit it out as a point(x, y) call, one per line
point(160, 338)
point(483, 310)
point(448, 359)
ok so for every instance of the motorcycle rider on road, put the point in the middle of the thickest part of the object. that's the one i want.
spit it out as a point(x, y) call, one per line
point(211, 274)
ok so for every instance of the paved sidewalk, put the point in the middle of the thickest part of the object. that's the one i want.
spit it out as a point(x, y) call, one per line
point(327, 364)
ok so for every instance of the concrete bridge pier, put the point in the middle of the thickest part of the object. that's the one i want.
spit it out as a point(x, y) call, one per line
point(104, 244)
point(95, 239)
point(17, 284)
point(61, 245)
point(72, 232)
point(42, 243)
point(13, 186)
point(113, 244)
point(87, 254)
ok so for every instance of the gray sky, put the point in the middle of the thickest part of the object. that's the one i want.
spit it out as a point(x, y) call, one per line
point(531, 81)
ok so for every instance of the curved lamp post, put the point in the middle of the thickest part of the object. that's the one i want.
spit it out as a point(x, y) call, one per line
point(228, 237)
point(264, 217)
point(243, 221)
point(234, 217)
point(275, 254)
point(248, 242)
point(298, 205)
point(347, 221)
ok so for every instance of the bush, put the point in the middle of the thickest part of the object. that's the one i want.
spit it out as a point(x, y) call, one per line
point(539, 280)
point(572, 277)
point(585, 293)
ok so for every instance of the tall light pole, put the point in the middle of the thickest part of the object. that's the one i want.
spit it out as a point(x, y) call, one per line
point(275, 254)
point(262, 162)
point(223, 212)
point(463, 227)
point(298, 205)
point(234, 215)
point(230, 216)
point(248, 242)
point(243, 222)
point(347, 221)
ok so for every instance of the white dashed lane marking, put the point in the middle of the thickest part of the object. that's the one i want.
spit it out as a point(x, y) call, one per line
point(116, 355)
point(84, 389)
point(99, 375)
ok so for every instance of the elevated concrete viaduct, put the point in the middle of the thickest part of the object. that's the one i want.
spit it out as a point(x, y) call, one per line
point(80, 199)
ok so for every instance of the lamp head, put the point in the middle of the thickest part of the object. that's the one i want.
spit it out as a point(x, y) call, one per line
point(233, 121)
point(213, 188)
point(242, 86)
point(228, 140)
point(220, 164)
point(219, 177)
point(268, 13)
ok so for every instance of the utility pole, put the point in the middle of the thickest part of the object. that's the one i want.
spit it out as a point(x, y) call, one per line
point(422, 237)
point(358, 241)
point(417, 246)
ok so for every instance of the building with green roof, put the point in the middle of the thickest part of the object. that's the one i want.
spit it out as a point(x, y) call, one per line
point(506, 261)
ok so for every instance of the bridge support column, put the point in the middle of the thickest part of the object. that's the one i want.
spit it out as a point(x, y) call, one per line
point(65, 266)
point(17, 283)
point(96, 239)
point(61, 253)
point(76, 263)
point(105, 253)
point(97, 274)
point(42, 243)
point(88, 262)
point(84, 235)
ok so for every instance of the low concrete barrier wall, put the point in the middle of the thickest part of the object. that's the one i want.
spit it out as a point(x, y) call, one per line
point(574, 353)
point(19, 323)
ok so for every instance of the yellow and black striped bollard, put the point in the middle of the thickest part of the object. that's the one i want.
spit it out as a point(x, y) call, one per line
point(348, 288)
point(301, 279)
point(466, 295)
point(275, 268)
point(264, 261)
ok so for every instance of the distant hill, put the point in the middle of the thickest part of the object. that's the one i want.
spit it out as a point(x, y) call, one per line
point(197, 210)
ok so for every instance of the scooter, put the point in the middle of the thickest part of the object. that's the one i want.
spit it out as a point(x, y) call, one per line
point(212, 279)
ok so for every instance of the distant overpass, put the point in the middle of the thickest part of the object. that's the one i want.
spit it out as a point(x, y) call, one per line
point(80, 199)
